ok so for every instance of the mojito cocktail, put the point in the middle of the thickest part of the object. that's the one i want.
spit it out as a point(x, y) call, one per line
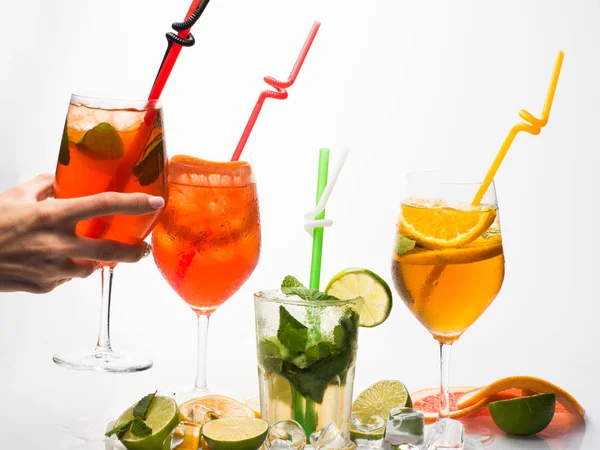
point(306, 358)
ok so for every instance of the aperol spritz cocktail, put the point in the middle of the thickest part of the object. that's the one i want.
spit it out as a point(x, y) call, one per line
point(447, 264)
point(111, 145)
point(207, 242)
point(447, 289)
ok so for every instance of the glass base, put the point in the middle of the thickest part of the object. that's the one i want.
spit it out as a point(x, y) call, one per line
point(99, 361)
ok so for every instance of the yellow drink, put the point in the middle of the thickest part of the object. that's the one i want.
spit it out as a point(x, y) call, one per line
point(448, 289)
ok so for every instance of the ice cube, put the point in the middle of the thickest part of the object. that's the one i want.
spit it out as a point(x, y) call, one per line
point(374, 426)
point(330, 437)
point(445, 434)
point(200, 415)
point(286, 435)
point(405, 428)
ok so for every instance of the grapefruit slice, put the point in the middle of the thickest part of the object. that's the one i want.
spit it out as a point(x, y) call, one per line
point(428, 401)
point(482, 395)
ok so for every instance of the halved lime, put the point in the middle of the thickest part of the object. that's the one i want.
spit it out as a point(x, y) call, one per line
point(162, 417)
point(235, 433)
point(524, 416)
point(378, 400)
point(376, 294)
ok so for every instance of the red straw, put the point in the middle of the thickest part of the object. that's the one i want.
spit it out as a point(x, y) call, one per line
point(279, 93)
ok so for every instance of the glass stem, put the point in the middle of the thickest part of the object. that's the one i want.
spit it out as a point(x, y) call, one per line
point(445, 354)
point(103, 345)
point(200, 386)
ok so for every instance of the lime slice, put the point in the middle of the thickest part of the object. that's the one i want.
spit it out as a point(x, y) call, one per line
point(162, 417)
point(376, 294)
point(235, 433)
point(378, 400)
point(102, 142)
point(524, 416)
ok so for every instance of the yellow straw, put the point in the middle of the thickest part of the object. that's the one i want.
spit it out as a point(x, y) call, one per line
point(531, 125)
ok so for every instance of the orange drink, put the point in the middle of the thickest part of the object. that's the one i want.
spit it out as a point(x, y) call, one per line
point(111, 146)
point(207, 242)
point(448, 289)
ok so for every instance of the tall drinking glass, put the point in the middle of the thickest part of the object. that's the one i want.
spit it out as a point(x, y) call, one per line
point(207, 242)
point(306, 359)
point(455, 270)
point(111, 145)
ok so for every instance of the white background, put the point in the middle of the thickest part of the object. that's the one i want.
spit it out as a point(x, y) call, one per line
point(408, 86)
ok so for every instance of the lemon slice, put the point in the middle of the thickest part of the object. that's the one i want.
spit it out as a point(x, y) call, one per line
point(375, 292)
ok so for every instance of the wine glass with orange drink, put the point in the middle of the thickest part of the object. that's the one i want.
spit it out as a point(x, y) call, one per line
point(111, 145)
point(207, 242)
point(448, 259)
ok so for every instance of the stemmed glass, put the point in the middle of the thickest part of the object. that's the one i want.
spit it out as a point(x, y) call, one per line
point(207, 242)
point(111, 145)
point(455, 270)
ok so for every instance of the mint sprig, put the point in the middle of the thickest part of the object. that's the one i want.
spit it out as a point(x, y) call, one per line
point(137, 426)
point(140, 410)
point(291, 333)
point(140, 429)
point(152, 163)
point(291, 286)
point(404, 245)
point(64, 156)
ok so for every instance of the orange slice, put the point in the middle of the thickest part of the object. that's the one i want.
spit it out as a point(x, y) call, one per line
point(254, 405)
point(434, 226)
point(479, 250)
point(223, 406)
point(482, 396)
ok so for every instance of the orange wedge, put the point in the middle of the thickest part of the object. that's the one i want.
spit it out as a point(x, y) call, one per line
point(223, 406)
point(435, 226)
point(254, 405)
point(481, 397)
point(479, 250)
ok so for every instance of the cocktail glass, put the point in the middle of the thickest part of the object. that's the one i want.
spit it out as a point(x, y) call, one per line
point(111, 145)
point(207, 242)
point(306, 359)
point(447, 288)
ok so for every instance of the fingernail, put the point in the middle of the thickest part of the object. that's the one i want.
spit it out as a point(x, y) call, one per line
point(148, 248)
point(156, 202)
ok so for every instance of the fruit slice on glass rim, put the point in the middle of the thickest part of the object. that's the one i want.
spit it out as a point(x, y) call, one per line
point(375, 292)
point(435, 226)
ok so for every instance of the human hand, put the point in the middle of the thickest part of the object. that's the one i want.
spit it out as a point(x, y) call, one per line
point(39, 249)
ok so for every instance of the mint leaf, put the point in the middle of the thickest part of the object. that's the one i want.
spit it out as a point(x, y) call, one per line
point(64, 156)
point(291, 333)
point(307, 294)
point(140, 429)
point(120, 430)
point(404, 245)
point(312, 381)
point(141, 408)
point(152, 163)
point(290, 282)
point(102, 142)
point(490, 232)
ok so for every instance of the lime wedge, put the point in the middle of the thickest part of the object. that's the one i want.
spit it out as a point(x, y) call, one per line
point(235, 433)
point(524, 416)
point(162, 417)
point(103, 142)
point(378, 400)
point(376, 294)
